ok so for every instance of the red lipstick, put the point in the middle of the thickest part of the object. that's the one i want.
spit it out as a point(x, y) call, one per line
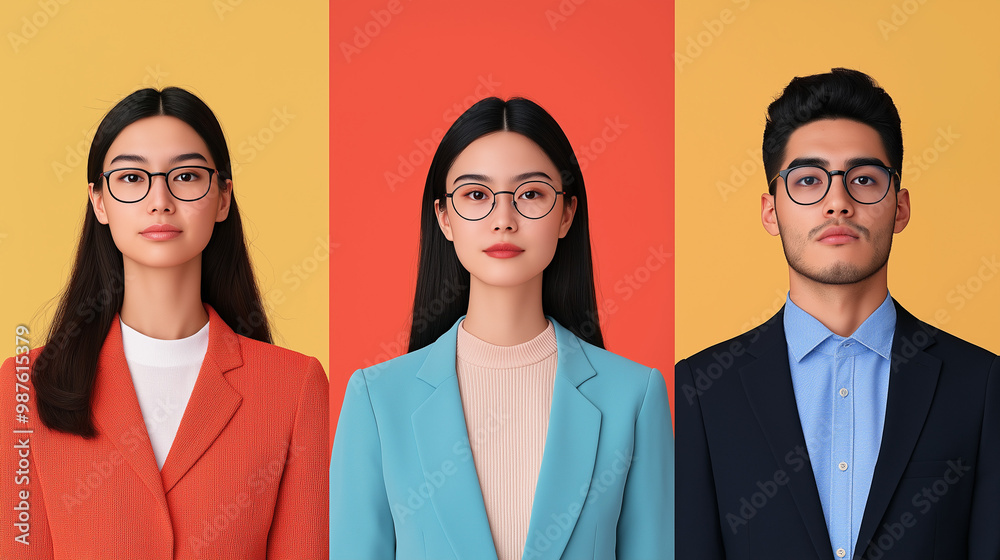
point(503, 250)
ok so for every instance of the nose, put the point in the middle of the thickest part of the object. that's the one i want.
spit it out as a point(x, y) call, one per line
point(504, 214)
point(159, 198)
point(838, 202)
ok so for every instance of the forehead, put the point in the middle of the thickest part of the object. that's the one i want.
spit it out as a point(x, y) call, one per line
point(157, 139)
point(835, 140)
point(501, 155)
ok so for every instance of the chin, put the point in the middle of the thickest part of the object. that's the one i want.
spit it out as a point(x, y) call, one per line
point(840, 272)
point(503, 281)
point(148, 260)
point(505, 276)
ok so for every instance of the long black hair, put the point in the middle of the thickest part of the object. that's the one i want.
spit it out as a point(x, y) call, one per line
point(568, 293)
point(65, 372)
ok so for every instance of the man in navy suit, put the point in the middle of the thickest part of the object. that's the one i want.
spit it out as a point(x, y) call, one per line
point(843, 427)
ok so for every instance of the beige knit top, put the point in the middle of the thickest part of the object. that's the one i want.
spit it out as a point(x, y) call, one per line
point(506, 396)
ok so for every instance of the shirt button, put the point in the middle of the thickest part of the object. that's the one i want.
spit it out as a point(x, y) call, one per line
point(842, 466)
point(841, 553)
point(843, 392)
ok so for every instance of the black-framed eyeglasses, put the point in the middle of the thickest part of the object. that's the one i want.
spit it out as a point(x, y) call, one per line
point(866, 184)
point(532, 199)
point(187, 183)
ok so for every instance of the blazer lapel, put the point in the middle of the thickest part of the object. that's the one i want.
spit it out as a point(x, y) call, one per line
point(116, 411)
point(570, 452)
point(912, 379)
point(442, 438)
point(767, 382)
point(212, 404)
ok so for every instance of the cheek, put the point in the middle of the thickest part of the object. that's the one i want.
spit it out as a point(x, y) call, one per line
point(545, 239)
point(121, 221)
point(464, 239)
point(790, 223)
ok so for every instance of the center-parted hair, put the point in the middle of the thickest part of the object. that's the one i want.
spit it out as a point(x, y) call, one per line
point(840, 94)
point(65, 373)
point(442, 294)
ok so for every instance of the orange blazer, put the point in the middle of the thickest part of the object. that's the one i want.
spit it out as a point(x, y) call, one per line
point(246, 476)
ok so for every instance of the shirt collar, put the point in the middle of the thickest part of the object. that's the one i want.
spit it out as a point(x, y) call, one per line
point(804, 333)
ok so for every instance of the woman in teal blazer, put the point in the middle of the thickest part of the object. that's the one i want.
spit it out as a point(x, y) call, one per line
point(403, 479)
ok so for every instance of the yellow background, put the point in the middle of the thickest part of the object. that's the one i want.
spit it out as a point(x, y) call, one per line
point(940, 62)
point(65, 63)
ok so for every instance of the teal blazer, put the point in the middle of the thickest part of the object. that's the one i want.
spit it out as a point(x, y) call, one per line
point(403, 484)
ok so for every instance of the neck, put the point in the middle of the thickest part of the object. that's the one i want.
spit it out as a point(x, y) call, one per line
point(840, 307)
point(505, 316)
point(164, 303)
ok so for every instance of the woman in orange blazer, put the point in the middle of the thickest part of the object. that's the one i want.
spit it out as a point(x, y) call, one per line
point(246, 471)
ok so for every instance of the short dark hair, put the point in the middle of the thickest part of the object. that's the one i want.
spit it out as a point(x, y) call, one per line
point(841, 93)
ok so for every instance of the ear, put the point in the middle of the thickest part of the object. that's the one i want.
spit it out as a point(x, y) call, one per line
point(444, 221)
point(225, 199)
point(902, 210)
point(569, 210)
point(768, 214)
point(97, 200)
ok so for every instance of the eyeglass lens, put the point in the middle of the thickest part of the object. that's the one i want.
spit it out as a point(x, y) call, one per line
point(532, 199)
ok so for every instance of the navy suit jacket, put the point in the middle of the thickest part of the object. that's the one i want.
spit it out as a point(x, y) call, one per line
point(745, 484)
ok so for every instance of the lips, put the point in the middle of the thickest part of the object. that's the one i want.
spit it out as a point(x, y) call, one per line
point(838, 235)
point(503, 250)
point(160, 232)
point(160, 227)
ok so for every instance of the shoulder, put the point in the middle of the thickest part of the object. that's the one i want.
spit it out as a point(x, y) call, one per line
point(398, 375)
point(399, 366)
point(270, 354)
point(619, 381)
point(914, 335)
point(734, 350)
point(21, 365)
point(20, 403)
point(268, 361)
point(23, 358)
point(606, 362)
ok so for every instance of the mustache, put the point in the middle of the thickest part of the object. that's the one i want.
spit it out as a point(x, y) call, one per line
point(862, 231)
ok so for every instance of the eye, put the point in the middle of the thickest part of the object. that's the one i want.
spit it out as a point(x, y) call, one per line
point(129, 177)
point(186, 176)
point(868, 177)
point(533, 190)
point(808, 181)
point(476, 195)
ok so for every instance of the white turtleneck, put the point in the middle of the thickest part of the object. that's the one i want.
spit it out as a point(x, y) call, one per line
point(163, 373)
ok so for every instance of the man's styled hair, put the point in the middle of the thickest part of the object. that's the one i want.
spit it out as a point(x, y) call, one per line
point(841, 93)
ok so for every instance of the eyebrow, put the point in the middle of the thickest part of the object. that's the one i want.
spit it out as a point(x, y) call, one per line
point(472, 177)
point(826, 163)
point(140, 159)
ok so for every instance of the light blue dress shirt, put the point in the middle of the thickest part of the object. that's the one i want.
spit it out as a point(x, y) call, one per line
point(841, 386)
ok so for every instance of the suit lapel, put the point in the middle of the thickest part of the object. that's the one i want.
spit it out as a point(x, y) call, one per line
point(912, 379)
point(116, 411)
point(570, 452)
point(212, 404)
point(567, 461)
point(767, 382)
point(442, 438)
